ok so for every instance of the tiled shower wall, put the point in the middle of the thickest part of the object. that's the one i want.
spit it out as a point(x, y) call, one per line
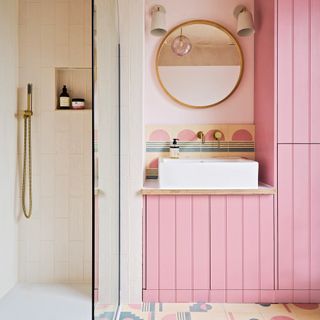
point(55, 245)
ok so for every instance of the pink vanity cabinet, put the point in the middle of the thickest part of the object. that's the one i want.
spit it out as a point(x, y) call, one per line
point(208, 247)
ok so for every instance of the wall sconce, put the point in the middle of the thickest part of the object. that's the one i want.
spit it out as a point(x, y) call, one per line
point(158, 21)
point(245, 21)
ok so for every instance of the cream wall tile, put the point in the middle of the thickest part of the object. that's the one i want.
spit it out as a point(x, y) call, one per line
point(22, 251)
point(47, 46)
point(47, 183)
point(76, 45)
point(33, 12)
point(62, 57)
point(47, 252)
point(77, 12)
point(47, 133)
point(61, 272)
point(77, 271)
point(62, 37)
point(62, 142)
point(32, 271)
point(62, 121)
point(48, 10)
point(76, 227)
point(61, 230)
point(48, 96)
point(46, 272)
point(76, 251)
point(61, 250)
point(47, 219)
point(22, 277)
point(61, 164)
point(22, 12)
point(61, 203)
point(87, 272)
point(76, 186)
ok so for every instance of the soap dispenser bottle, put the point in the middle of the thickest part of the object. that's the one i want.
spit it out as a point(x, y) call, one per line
point(174, 149)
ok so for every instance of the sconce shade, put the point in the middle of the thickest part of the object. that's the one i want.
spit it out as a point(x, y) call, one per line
point(245, 25)
point(158, 21)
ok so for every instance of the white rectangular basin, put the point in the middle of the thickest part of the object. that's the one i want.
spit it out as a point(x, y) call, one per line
point(211, 173)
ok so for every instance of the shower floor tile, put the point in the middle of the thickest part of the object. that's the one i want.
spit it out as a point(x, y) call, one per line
point(47, 301)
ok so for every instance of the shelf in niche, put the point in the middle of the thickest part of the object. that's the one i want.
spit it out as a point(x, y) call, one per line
point(79, 83)
point(74, 110)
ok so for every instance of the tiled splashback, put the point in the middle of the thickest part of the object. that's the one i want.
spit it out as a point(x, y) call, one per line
point(238, 140)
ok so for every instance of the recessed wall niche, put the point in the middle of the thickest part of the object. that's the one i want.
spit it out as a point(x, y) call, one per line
point(78, 82)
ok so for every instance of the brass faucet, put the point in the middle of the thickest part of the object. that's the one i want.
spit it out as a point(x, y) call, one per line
point(201, 136)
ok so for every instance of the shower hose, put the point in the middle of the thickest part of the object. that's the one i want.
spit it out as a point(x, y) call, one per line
point(27, 163)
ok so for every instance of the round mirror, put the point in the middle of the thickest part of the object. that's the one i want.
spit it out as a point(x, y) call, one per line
point(199, 64)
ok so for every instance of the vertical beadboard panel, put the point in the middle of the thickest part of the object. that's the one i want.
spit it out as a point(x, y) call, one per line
point(184, 242)
point(301, 214)
point(301, 88)
point(285, 70)
point(152, 242)
point(144, 243)
point(234, 242)
point(251, 242)
point(267, 243)
point(201, 242)
point(218, 241)
point(285, 216)
point(315, 71)
point(167, 233)
point(298, 71)
point(315, 217)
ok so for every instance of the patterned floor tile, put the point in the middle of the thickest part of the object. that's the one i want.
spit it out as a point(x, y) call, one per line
point(274, 309)
point(282, 317)
point(207, 311)
point(209, 316)
point(305, 308)
point(241, 307)
point(244, 316)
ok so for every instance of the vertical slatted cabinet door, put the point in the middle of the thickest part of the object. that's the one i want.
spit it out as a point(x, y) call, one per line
point(234, 242)
point(201, 242)
point(151, 244)
point(251, 242)
point(298, 71)
point(267, 243)
point(167, 243)
point(184, 244)
point(218, 242)
point(298, 211)
point(285, 71)
point(315, 71)
point(285, 216)
point(315, 216)
point(242, 251)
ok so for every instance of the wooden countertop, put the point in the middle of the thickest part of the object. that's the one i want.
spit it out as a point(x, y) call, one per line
point(151, 187)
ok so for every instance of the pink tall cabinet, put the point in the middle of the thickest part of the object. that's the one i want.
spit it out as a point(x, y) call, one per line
point(253, 248)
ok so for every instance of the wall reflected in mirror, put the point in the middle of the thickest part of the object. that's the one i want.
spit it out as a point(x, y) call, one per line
point(199, 64)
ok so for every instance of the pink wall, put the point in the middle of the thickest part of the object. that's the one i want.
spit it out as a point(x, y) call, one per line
point(160, 109)
point(264, 88)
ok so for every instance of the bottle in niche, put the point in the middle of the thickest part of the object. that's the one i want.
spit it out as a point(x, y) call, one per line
point(64, 99)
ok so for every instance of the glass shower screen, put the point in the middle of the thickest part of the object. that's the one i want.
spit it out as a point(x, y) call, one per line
point(106, 158)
